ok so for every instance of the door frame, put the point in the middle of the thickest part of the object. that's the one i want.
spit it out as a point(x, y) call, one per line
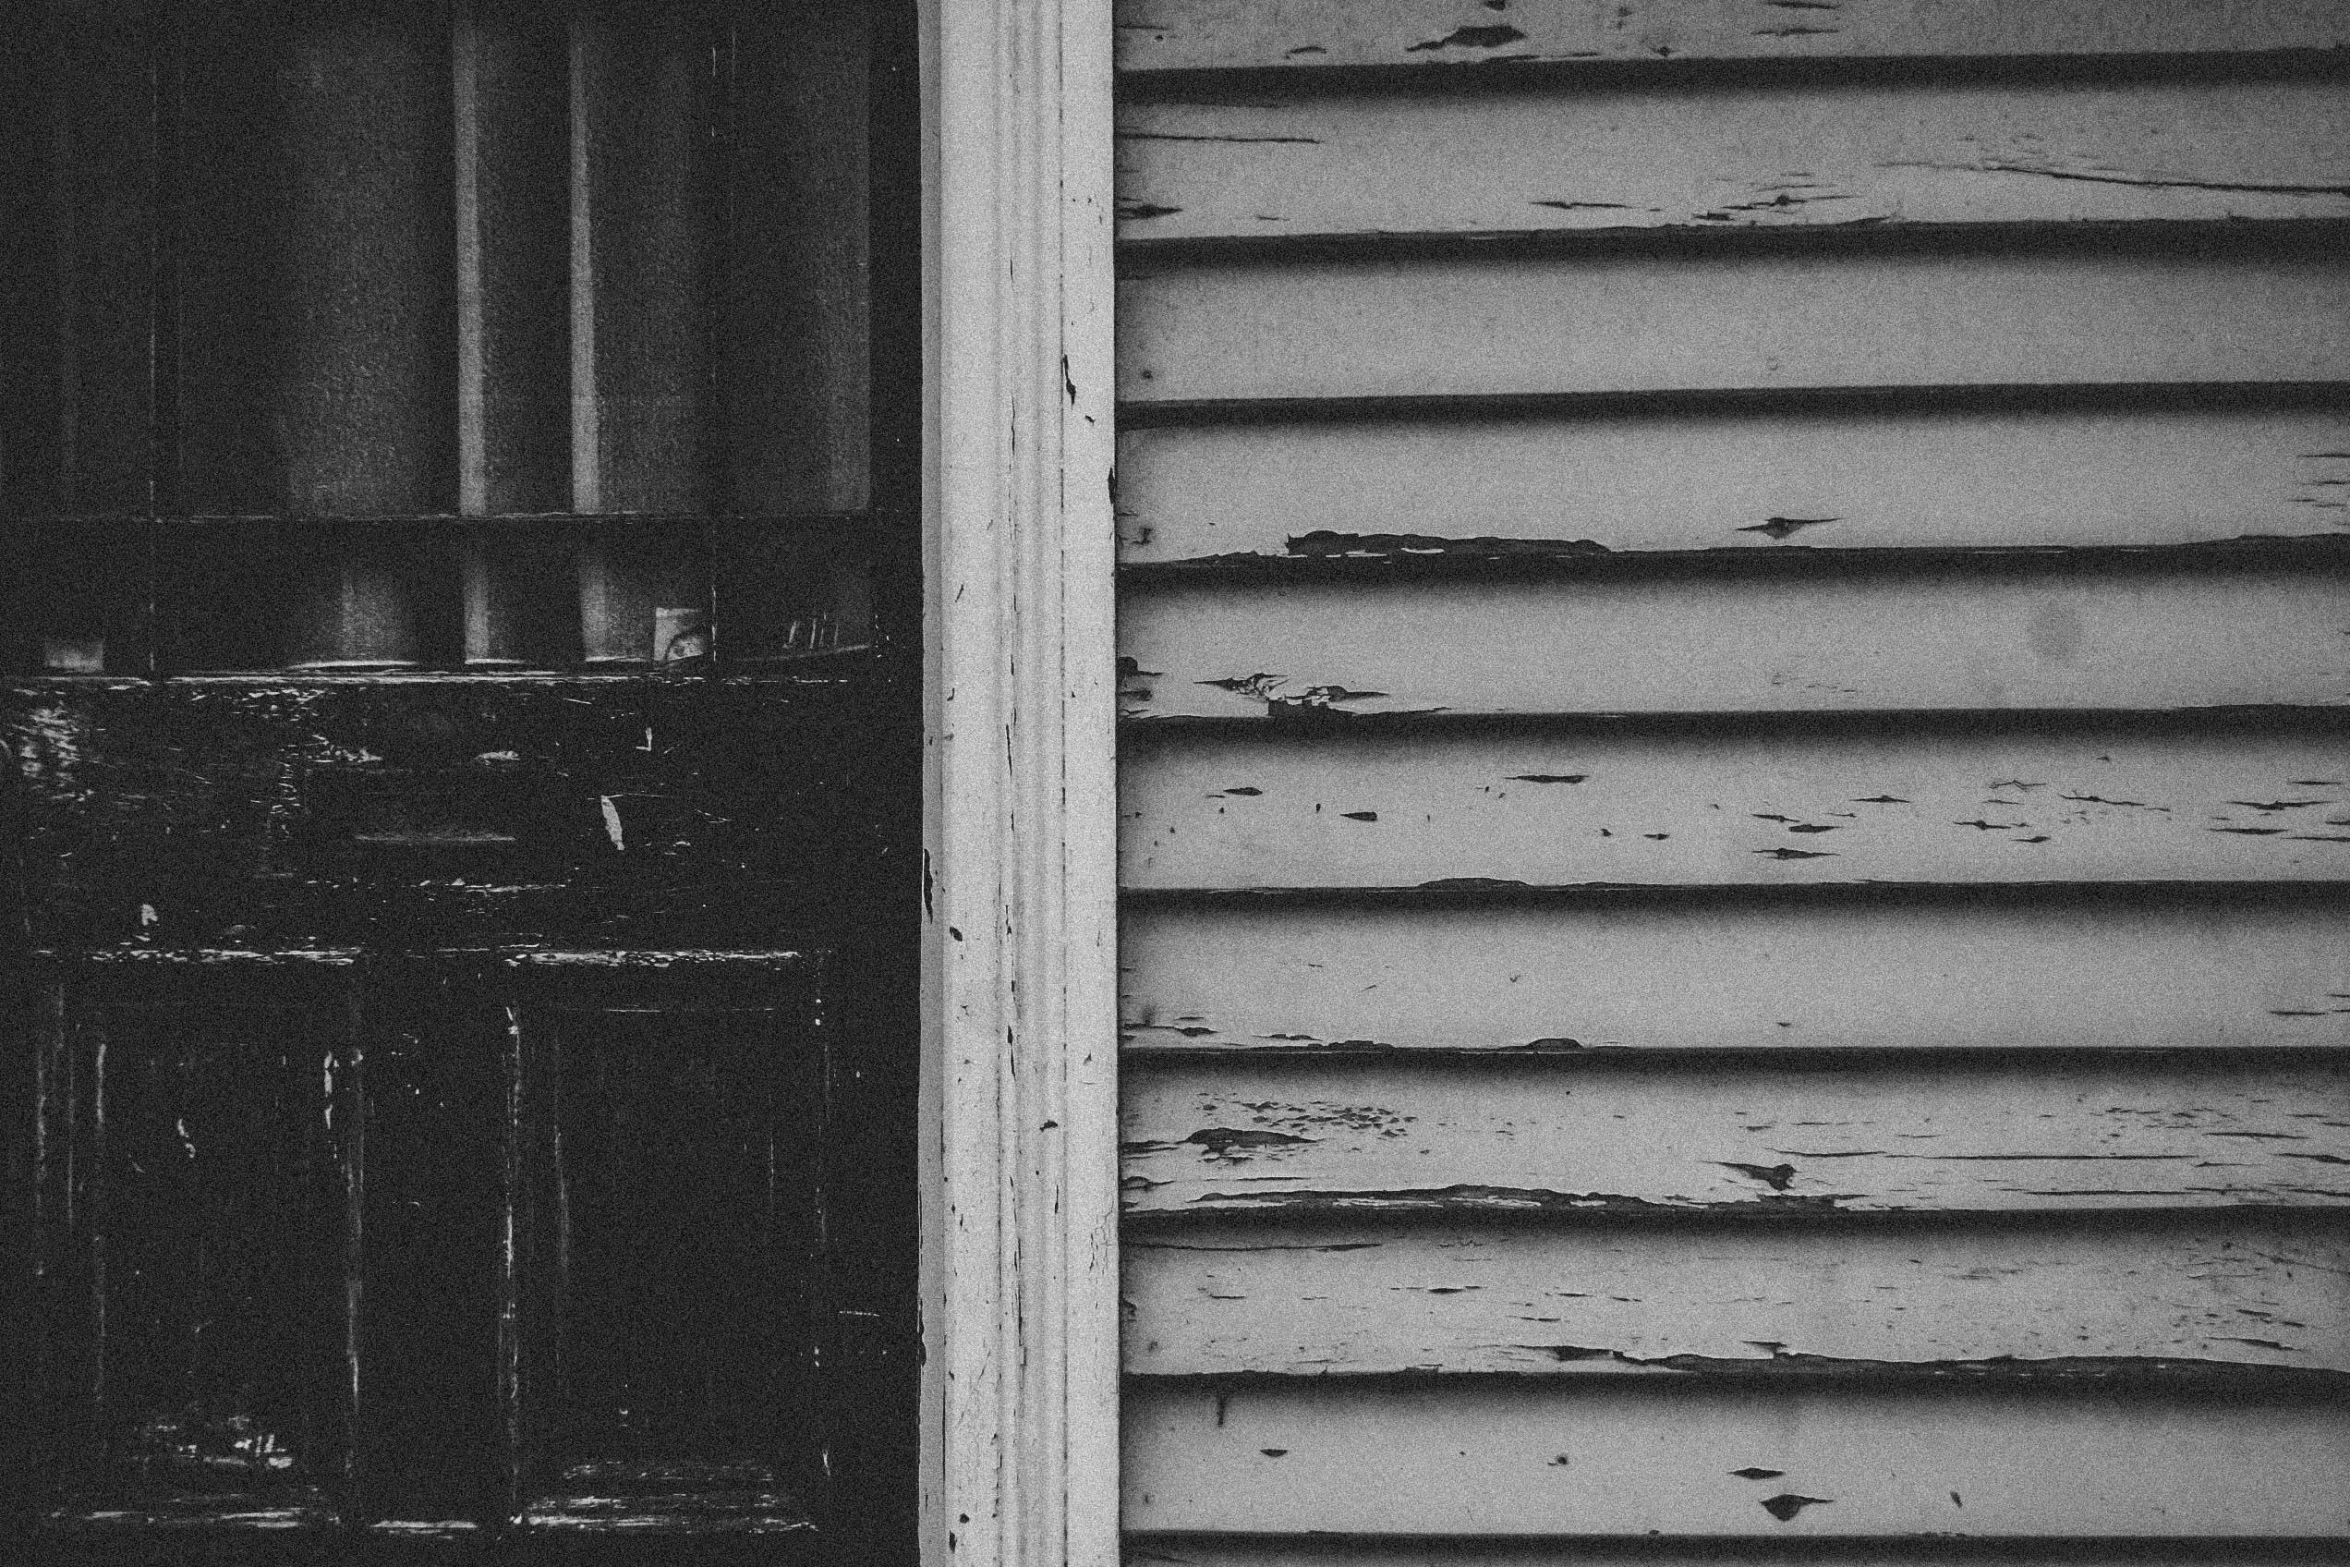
point(1019, 1105)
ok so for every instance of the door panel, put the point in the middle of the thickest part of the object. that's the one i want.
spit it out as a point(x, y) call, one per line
point(457, 698)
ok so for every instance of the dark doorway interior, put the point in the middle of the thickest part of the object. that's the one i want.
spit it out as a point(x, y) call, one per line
point(461, 474)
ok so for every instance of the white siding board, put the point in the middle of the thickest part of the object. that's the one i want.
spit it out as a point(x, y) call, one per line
point(1743, 975)
point(1948, 480)
point(1628, 1457)
point(1593, 1301)
point(1874, 641)
point(1304, 34)
point(1278, 808)
point(1176, 1550)
point(1383, 162)
point(1907, 1288)
point(1924, 1136)
point(1519, 324)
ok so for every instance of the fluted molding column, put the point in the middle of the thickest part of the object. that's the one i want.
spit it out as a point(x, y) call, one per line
point(1020, 1254)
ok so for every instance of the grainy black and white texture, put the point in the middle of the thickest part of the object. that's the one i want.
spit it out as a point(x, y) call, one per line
point(1736, 820)
point(459, 836)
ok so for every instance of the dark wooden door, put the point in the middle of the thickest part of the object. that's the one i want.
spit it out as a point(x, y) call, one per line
point(459, 887)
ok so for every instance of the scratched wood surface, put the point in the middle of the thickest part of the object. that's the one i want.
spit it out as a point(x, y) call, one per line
point(1166, 35)
point(1873, 973)
point(2091, 1301)
point(1883, 640)
point(1384, 161)
point(1454, 325)
point(1496, 482)
point(436, 812)
point(1924, 1135)
point(1626, 1457)
point(2110, 800)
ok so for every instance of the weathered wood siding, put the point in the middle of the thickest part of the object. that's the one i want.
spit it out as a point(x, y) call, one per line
point(1737, 788)
point(1192, 35)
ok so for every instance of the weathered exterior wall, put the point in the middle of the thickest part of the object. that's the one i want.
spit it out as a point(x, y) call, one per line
point(1735, 814)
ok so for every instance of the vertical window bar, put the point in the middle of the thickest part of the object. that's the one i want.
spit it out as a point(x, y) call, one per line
point(641, 262)
point(66, 273)
point(719, 132)
point(166, 492)
point(509, 71)
point(722, 371)
point(167, 72)
point(587, 490)
point(465, 72)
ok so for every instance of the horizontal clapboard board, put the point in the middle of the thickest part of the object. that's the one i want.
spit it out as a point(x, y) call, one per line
point(1146, 1549)
point(1993, 971)
point(2106, 1299)
point(1502, 482)
point(1194, 35)
point(1802, 155)
point(1628, 1457)
point(2226, 310)
point(1880, 640)
point(1721, 805)
point(1756, 1137)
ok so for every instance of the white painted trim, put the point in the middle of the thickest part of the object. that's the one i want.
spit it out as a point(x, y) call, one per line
point(1020, 1395)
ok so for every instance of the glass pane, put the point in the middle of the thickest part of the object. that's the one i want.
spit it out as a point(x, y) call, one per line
point(798, 362)
point(77, 235)
point(76, 604)
point(642, 222)
point(317, 303)
point(513, 203)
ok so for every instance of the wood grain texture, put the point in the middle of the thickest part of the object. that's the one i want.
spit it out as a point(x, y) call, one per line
point(1932, 970)
point(1877, 641)
point(1407, 488)
point(1982, 805)
point(1754, 1137)
point(1626, 1457)
point(1462, 325)
point(2103, 1299)
point(1725, 156)
point(1018, 1017)
point(1162, 35)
